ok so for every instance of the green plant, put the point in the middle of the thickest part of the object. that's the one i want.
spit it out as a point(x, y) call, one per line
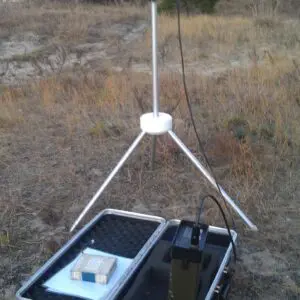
point(203, 6)
point(4, 238)
point(239, 127)
point(99, 130)
point(267, 131)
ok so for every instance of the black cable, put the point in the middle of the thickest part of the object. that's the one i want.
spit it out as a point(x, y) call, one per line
point(225, 221)
point(191, 112)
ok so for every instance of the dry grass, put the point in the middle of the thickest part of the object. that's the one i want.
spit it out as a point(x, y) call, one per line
point(264, 8)
point(223, 39)
point(60, 134)
point(256, 107)
point(60, 22)
point(218, 29)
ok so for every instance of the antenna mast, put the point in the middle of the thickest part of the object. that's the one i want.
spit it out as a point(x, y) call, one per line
point(158, 123)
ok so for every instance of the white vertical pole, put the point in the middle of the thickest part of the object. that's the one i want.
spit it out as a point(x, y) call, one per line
point(154, 59)
point(155, 80)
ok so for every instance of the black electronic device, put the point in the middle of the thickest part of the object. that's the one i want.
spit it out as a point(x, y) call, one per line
point(188, 260)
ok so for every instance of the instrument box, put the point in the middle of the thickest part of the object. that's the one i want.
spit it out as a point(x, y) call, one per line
point(146, 240)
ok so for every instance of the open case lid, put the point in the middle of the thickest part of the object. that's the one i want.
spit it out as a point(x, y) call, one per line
point(127, 234)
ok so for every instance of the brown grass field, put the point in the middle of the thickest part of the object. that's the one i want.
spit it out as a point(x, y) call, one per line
point(74, 80)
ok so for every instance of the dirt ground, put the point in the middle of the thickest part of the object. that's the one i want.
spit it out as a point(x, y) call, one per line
point(73, 82)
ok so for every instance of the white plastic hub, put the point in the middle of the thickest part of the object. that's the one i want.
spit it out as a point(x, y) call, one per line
point(156, 125)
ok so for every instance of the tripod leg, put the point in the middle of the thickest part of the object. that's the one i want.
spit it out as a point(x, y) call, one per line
point(109, 178)
point(202, 169)
point(153, 151)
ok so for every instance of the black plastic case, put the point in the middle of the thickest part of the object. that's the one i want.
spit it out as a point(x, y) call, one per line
point(144, 238)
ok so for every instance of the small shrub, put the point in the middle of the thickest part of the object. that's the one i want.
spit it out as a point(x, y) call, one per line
point(99, 130)
point(4, 239)
point(267, 131)
point(104, 129)
point(224, 149)
point(203, 6)
point(239, 127)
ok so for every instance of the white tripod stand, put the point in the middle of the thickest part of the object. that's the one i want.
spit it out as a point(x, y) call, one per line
point(157, 123)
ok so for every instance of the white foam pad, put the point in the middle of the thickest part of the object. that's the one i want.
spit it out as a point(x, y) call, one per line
point(156, 125)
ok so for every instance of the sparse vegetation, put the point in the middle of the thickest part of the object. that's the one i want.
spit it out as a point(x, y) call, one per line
point(194, 6)
point(63, 128)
